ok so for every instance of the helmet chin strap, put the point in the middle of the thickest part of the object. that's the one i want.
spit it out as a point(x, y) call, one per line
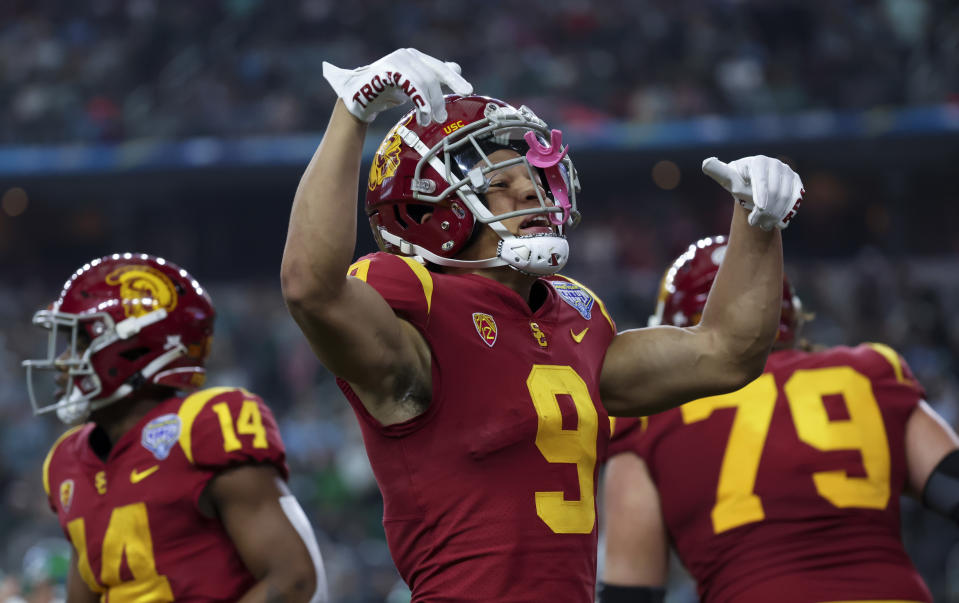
point(536, 255)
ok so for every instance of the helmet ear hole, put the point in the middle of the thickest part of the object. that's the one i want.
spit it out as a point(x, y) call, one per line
point(399, 218)
point(417, 212)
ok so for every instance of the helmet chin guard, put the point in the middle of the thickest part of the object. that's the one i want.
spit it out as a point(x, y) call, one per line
point(536, 255)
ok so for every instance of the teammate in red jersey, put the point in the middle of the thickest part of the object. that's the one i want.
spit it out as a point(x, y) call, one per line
point(786, 490)
point(164, 496)
point(482, 380)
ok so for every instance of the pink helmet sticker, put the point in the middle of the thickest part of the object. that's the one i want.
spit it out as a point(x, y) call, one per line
point(547, 158)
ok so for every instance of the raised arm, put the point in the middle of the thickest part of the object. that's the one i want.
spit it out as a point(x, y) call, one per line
point(653, 369)
point(350, 327)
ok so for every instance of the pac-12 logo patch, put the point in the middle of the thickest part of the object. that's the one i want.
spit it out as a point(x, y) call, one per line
point(575, 296)
point(160, 434)
point(486, 327)
point(66, 494)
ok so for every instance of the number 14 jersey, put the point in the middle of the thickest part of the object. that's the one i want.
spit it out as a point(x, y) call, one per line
point(489, 495)
point(134, 520)
point(788, 489)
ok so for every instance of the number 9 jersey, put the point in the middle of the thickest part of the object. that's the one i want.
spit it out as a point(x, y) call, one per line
point(489, 494)
point(134, 518)
point(788, 489)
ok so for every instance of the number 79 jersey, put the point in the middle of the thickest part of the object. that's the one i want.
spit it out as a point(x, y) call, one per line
point(489, 495)
point(134, 520)
point(788, 489)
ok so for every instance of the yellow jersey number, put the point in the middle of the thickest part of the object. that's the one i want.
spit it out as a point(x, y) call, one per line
point(127, 536)
point(736, 503)
point(557, 445)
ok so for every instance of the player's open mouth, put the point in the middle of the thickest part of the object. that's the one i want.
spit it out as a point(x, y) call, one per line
point(537, 224)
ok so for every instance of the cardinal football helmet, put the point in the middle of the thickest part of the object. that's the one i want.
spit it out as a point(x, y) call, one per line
point(444, 169)
point(686, 284)
point(129, 320)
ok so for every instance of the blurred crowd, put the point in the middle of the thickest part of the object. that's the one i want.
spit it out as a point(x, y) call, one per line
point(108, 70)
point(869, 256)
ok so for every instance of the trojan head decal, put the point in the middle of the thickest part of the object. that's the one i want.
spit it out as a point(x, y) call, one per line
point(387, 158)
point(143, 290)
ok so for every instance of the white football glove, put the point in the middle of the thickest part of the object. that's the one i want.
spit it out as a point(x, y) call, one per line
point(403, 75)
point(768, 188)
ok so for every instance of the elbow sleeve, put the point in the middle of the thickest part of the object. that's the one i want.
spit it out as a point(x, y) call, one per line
point(941, 492)
point(611, 593)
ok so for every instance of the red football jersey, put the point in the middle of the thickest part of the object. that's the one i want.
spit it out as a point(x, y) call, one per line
point(490, 494)
point(133, 519)
point(788, 489)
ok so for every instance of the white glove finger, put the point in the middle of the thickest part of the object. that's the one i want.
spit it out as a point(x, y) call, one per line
point(721, 173)
point(755, 216)
point(335, 76)
point(448, 73)
point(759, 181)
point(456, 82)
point(429, 92)
point(429, 82)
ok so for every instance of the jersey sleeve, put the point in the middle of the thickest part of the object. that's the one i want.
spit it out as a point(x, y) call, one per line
point(883, 364)
point(225, 426)
point(625, 435)
point(405, 284)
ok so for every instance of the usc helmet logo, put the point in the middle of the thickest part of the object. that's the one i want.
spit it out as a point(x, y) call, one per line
point(143, 290)
point(387, 159)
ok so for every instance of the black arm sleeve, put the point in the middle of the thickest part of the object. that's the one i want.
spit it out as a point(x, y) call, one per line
point(610, 593)
point(941, 492)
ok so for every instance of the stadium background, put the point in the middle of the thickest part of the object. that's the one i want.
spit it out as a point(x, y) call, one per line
point(181, 128)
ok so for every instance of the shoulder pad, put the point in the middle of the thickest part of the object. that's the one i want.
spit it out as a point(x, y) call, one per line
point(225, 426)
point(405, 284)
point(893, 361)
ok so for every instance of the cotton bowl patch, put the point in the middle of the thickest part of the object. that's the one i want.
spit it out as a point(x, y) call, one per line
point(575, 296)
point(160, 434)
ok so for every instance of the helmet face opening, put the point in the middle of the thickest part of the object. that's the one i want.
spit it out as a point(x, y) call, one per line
point(448, 166)
point(121, 322)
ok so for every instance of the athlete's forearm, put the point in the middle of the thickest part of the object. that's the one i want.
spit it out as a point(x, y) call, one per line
point(742, 311)
point(322, 232)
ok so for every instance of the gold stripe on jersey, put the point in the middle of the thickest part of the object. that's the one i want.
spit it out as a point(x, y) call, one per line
point(46, 461)
point(359, 269)
point(189, 410)
point(426, 280)
point(892, 357)
point(602, 306)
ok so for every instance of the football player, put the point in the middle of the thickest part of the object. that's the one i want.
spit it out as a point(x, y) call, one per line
point(482, 379)
point(166, 491)
point(786, 490)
